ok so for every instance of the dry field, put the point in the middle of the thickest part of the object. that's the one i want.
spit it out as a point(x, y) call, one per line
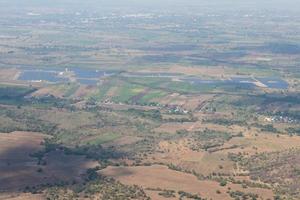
point(177, 152)
point(83, 91)
point(9, 74)
point(172, 127)
point(202, 162)
point(188, 102)
point(149, 177)
point(22, 196)
point(18, 169)
point(251, 144)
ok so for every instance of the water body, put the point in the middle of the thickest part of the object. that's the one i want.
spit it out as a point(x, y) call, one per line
point(83, 76)
point(201, 81)
point(242, 82)
point(274, 83)
point(220, 83)
point(90, 73)
point(153, 75)
point(91, 76)
point(39, 75)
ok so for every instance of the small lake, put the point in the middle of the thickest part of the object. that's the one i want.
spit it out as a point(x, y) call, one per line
point(242, 82)
point(39, 75)
point(56, 75)
point(152, 74)
point(91, 76)
point(274, 83)
point(90, 73)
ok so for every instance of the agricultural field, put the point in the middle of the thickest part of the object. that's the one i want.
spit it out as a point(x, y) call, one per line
point(116, 103)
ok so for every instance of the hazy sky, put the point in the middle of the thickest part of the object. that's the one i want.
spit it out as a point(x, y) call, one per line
point(156, 4)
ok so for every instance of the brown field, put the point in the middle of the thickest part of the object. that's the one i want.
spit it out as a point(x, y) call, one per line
point(157, 176)
point(48, 91)
point(18, 169)
point(19, 142)
point(83, 91)
point(22, 196)
point(262, 142)
point(116, 106)
point(9, 74)
point(202, 162)
point(196, 126)
point(188, 102)
point(177, 152)
point(173, 127)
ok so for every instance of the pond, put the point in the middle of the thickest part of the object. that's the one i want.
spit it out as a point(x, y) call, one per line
point(57, 75)
point(152, 74)
point(39, 75)
point(242, 82)
point(274, 83)
point(90, 73)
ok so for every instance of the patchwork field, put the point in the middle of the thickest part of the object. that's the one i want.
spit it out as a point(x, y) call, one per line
point(126, 102)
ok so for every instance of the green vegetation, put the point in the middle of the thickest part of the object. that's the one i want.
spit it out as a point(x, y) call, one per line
point(103, 139)
point(14, 94)
point(241, 195)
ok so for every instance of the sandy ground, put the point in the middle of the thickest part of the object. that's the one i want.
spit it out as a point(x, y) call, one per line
point(21, 196)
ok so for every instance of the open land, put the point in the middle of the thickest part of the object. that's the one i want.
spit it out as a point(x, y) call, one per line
point(149, 106)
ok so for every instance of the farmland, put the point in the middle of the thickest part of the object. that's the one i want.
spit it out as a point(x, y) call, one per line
point(163, 104)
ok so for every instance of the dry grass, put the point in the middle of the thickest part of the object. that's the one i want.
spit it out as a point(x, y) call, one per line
point(202, 162)
point(188, 102)
point(22, 196)
point(172, 127)
point(161, 177)
point(257, 143)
